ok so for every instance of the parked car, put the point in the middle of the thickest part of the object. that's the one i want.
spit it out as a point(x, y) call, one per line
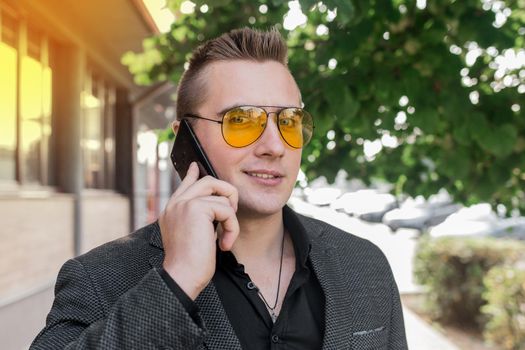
point(419, 214)
point(480, 221)
point(366, 204)
point(322, 196)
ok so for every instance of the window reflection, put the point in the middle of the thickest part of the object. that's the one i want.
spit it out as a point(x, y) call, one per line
point(26, 85)
point(92, 136)
point(8, 58)
point(35, 111)
point(98, 132)
point(25, 124)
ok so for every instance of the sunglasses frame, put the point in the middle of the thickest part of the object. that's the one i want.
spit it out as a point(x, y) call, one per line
point(268, 114)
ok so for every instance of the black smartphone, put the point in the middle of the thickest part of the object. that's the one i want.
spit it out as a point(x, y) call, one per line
point(187, 149)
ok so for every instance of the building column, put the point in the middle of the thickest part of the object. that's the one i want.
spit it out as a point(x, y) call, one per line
point(67, 126)
point(125, 146)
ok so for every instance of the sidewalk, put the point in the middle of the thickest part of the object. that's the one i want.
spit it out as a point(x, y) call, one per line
point(399, 249)
point(421, 336)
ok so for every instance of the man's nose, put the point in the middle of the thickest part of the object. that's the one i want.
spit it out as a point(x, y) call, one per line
point(271, 141)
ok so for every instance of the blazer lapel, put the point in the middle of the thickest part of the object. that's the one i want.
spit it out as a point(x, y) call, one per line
point(220, 333)
point(338, 307)
point(155, 240)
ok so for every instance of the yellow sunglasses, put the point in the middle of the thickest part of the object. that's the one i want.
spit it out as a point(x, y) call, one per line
point(243, 125)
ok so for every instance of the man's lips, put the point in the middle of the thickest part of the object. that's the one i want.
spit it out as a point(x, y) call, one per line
point(264, 173)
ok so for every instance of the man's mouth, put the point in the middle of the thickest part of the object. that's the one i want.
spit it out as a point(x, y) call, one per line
point(264, 175)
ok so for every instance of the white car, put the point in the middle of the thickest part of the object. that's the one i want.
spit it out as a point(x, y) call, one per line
point(366, 204)
point(419, 214)
point(322, 196)
point(480, 221)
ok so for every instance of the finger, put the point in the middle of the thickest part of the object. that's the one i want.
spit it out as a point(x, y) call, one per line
point(192, 175)
point(208, 186)
point(217, 199)
point(228, 235)
point(229, 223)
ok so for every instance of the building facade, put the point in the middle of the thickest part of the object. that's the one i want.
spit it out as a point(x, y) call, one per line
point(72, 124)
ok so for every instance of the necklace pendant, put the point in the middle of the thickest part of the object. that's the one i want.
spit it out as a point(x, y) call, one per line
point(273, 316)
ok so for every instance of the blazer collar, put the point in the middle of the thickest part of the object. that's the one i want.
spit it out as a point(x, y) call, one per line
point(155, 238)
point(221, 335)
point(327, 267)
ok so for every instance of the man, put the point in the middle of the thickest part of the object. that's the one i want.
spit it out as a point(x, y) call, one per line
point(267, 278)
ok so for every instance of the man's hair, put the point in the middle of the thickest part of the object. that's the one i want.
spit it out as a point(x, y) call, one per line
point(238, 44)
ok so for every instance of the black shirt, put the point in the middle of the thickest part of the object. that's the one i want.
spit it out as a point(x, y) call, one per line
point(300, 324)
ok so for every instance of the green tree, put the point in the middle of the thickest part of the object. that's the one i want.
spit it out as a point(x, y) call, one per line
point(430, 84)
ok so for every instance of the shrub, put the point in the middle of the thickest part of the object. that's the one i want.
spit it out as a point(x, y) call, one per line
point(505, 308)
point(452, 270)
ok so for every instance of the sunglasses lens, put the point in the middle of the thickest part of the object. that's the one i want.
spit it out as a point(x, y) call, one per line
point(296, 126)
point(243, 125)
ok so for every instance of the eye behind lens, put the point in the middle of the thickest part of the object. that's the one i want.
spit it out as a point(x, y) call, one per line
point(244, 125)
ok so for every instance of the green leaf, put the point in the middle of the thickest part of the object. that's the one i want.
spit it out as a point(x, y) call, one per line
point(306, 5)
point(345, 11)
point(408, 157)
point(427, 120)
point(501, 140)
point(455, 164)
point(165, 134)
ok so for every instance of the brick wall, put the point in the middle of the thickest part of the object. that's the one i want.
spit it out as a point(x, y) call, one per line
point(36, 238)
point(36, 235)
point(105, 217)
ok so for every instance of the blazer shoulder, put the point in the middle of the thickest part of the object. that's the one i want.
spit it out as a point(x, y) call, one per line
point(116, 266)
point(345, 243)
point(132, 245)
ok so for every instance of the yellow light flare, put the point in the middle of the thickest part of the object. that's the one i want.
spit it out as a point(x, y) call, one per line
point(161, 14)
point(8, 86)
point(31, 101)
point(35, 102)
point(47, 83)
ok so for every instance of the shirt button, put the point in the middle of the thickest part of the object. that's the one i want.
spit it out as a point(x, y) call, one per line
point(250, 285)
point(275, 338)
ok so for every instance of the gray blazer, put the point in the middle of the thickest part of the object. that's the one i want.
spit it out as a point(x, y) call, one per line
point(114, 298)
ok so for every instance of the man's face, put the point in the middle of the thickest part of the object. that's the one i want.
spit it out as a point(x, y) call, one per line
point(234, 83)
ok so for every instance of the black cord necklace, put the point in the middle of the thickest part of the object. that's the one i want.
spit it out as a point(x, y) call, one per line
point(273, 315)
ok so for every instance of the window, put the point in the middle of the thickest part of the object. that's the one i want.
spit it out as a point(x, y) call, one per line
point(98, 133)
point(92, 134)
point(109, 136)
point(26, 110)
point(8, 88)
point(25, 102)
point(35, 113)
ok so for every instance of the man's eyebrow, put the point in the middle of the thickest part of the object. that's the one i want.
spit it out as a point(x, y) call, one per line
point(235, 105)
point(232, 106)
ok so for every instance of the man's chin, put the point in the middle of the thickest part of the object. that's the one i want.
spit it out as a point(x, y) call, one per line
point(259, 209)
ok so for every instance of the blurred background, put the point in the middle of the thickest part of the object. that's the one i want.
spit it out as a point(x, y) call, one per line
point(419, 142)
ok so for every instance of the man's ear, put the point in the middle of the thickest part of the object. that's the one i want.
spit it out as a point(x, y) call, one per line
point(175, 126)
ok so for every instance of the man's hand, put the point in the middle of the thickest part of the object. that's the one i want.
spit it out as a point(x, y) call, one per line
point(188, 235)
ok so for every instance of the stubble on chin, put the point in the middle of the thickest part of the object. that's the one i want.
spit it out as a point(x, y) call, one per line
point(252, 205)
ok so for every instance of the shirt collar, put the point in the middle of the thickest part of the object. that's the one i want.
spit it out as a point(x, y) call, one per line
point(301, 242)
point(300, 239)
